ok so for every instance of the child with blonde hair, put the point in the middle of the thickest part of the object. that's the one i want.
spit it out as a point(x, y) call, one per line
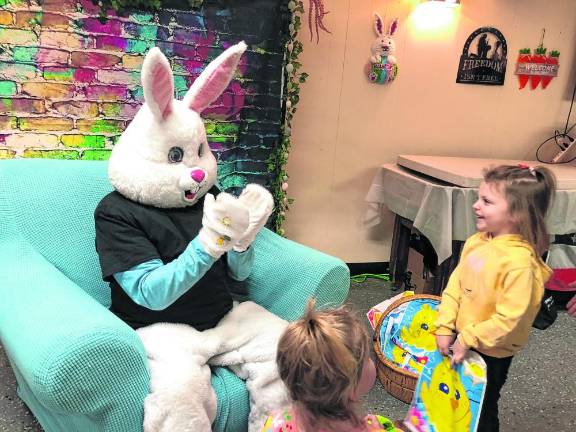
point(494, 294)
point(324, 361)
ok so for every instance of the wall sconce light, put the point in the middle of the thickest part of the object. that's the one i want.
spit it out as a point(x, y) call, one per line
point(434, 18)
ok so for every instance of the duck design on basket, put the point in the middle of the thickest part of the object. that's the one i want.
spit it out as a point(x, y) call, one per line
point(416, 340)
point(399, 356)
point(420, 332)
point(404, 334)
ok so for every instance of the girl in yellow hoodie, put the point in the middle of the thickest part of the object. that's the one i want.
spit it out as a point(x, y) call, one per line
point(494, 294)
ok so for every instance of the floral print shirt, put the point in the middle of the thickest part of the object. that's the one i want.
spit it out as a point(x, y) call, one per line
point(284, 421)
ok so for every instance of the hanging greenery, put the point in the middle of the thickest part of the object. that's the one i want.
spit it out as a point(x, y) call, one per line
point(293, 77)
point(316, 15)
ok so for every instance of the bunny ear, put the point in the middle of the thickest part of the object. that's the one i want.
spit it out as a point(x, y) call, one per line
point(158, 83)
point(378, 24)
point(393, 27)
point(214, 79)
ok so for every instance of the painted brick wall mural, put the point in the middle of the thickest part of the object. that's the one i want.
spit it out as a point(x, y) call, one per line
point(69, 84)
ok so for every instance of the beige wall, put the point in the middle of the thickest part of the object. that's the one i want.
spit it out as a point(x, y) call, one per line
point(346, 127)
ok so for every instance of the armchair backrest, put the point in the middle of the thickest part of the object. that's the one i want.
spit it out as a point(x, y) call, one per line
point(50, 204)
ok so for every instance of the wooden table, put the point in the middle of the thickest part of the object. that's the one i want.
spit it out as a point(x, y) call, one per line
point(433, 211)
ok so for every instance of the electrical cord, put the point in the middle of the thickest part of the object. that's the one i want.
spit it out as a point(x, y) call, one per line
point(362, 277)
point(563, 136)
point(557, 135)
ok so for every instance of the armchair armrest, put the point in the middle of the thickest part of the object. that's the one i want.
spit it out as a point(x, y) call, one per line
point(286, 274)
point(74, 355)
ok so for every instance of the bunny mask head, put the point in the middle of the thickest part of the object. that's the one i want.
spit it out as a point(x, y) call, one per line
point(163, 159)
point(384, 44)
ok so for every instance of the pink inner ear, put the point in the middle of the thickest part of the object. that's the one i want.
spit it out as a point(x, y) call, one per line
point(379, 25)
point(394, 27)
point(214, 84)
point(162, 89)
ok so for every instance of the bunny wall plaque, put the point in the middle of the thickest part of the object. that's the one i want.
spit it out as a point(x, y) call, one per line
point(382, 67)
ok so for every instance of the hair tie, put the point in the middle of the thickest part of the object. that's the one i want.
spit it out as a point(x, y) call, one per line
point(528, 167)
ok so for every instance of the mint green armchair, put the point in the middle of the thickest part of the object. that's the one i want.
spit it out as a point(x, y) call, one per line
point(78, 367)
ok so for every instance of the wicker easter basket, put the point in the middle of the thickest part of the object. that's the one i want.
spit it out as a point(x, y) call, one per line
point(399, 382)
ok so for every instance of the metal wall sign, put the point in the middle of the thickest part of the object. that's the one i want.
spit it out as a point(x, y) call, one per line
point(483, 59)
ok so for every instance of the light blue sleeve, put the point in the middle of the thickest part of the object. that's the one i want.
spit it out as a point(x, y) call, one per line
point(156, 285)
point(240, 264)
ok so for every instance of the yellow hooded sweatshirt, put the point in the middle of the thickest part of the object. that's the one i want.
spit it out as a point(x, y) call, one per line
point(493, 295)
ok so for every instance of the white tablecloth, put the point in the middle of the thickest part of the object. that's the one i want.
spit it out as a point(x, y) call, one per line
point(443, 212)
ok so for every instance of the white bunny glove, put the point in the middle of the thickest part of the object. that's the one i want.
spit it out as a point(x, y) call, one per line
point(224, 222)
point(260, 204)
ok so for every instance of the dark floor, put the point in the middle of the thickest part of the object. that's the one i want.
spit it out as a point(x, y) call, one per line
point(540, 394)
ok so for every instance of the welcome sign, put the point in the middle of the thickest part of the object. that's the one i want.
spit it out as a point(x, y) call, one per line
point(483, 59)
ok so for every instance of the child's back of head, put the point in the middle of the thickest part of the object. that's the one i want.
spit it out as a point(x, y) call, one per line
point(321, 359)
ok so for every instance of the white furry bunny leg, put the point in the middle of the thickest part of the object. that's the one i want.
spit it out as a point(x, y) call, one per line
point(249, 350)
point(181, 397)
point(266, 389)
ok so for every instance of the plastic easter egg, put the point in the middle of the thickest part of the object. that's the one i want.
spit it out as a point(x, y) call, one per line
point(383, 72)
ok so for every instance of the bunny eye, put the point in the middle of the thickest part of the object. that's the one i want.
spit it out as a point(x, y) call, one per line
point(200, 149)
point(175, 154)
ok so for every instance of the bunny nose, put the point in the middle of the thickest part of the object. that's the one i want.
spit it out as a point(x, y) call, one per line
point(197, 175)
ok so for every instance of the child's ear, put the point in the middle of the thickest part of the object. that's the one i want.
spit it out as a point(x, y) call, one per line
point(514, 217)
point(214, 79)
point(158, 83)
point(378, 24)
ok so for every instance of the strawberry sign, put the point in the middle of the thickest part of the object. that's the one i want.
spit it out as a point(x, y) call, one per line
point(538, 68)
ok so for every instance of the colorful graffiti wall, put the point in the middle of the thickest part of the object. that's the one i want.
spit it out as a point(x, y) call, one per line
point(69, 84)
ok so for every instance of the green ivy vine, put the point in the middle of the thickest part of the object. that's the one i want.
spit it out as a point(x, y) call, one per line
point(293, 77)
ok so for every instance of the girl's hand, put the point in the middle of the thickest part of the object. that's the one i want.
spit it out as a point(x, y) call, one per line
point(458, 353)
point(443, 342)
point(571, 306)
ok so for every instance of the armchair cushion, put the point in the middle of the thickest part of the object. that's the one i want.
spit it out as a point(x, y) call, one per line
point(286, 274)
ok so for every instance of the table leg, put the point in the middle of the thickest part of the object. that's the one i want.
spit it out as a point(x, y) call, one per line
point(399, 250)
point(444, 270)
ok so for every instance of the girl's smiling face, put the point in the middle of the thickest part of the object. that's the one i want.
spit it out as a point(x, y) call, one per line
point(491, 209)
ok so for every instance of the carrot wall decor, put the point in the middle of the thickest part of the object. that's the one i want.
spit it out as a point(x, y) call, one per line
point(538, 68)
